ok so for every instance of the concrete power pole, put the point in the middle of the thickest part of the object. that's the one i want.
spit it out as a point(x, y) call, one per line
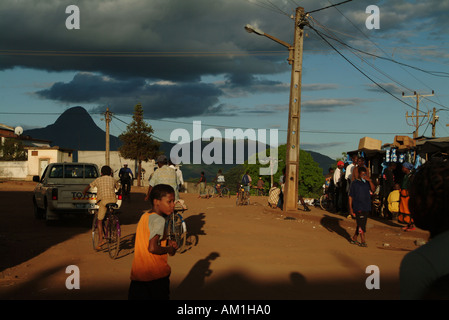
point(294, 114)
point(107, 119)
point(294, 117)
point(416, 124)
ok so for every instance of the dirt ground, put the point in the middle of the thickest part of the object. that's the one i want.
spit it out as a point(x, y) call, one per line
point(245, 252)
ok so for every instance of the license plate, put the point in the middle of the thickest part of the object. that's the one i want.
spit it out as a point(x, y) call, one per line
point(84, 205)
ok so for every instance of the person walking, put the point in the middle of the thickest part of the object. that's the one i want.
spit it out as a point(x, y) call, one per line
point(163, 175)
point(388, 183)
point(202, 183)
point(360, 204)
point(404, 211)
point(338, 176)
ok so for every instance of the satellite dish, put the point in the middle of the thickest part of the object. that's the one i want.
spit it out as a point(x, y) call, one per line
point(18, 131)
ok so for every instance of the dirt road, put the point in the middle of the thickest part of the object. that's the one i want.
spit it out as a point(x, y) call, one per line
point(246, 252)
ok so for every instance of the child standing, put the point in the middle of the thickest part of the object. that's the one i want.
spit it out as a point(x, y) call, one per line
point(360, 203)
point(150, 271)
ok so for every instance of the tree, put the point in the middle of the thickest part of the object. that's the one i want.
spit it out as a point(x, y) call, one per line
point(138, 143)
point(12, 150)
point(310, 177)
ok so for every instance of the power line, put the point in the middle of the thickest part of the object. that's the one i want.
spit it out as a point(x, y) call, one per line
point(434, 73)
point(331, 6)
point(375, 44)
point(401, 64)
point(367, 62)
point(282, 130)
point(377, 84)
point(211, 125)
point(135, 54)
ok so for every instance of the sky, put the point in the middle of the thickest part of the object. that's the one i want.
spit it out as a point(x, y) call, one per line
point(192, 60)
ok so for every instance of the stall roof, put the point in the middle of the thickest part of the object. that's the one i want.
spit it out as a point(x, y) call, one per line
point(369, 153)
point(433, 145)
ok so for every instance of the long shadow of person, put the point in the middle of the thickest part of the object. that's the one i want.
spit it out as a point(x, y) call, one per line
point(333, 225)
point(195, 279)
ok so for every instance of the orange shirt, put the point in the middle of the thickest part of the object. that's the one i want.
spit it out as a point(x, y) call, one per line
point(146, 265)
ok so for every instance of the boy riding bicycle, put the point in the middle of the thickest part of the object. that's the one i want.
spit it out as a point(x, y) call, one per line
point(220, 181)
point(106, 186)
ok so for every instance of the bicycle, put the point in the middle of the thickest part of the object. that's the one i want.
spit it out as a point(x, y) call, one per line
point(242, 196)
point(125, 186)
point(326, 201)
point(111, 230)
point(223, 191)
point(176, 228)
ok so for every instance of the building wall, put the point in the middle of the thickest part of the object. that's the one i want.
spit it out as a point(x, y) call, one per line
point(39, 158)
point(116, 162)
point(17, 170)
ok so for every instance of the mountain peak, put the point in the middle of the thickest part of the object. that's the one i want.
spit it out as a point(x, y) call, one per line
point(75, 117)
point(75, 129)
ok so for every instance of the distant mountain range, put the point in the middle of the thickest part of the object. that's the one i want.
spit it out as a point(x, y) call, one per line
point(75, 129)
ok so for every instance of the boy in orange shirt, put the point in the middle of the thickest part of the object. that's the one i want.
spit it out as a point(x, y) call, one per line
point(150, 271)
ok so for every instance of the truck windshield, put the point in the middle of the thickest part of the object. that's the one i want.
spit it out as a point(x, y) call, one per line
point(73, 171)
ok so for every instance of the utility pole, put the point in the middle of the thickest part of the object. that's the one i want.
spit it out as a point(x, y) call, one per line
point(434, 121)
point(417, 116)
point(294, 116)
point(107, 119)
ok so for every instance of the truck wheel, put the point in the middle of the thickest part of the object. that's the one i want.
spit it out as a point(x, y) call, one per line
point(50, 215)
point(38, 212)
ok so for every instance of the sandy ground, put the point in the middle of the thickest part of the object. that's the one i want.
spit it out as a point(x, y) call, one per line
point(245, 252)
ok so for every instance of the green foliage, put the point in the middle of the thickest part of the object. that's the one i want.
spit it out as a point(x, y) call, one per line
point(137, 141)
point(12, 150)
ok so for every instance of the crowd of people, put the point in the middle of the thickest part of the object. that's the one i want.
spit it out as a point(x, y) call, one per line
point(390, 192)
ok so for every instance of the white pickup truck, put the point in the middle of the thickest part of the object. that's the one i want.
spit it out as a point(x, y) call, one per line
point(60, 190)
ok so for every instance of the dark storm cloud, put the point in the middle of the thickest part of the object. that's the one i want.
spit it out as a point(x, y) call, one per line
point(196, 26)
point(159, 99)
point(174, 40)
point(125, 48)
point(87, 87)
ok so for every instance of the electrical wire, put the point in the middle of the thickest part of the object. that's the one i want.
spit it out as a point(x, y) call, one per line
point(135, 54)
point(375, 44)
point(356, 54)
point(357, 68)
point(331, 6)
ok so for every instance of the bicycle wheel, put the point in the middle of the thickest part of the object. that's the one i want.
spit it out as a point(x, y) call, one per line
point(225, 192)
point(239, 200)
point(114, 237)
point(176, 230)
point(324, 202)
point(95, 235)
